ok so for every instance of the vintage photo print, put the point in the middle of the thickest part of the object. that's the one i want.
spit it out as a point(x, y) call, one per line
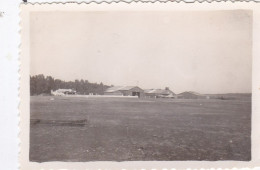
point(139, 85)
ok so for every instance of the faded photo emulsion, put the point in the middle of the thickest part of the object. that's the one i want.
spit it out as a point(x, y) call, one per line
point(140, 85)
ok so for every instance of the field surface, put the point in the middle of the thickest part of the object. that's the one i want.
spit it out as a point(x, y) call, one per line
point(128, 129)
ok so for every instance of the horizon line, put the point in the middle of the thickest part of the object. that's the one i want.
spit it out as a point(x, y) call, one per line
point(140, 86)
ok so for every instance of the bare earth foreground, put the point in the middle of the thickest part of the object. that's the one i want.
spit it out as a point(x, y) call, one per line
point(127, 129)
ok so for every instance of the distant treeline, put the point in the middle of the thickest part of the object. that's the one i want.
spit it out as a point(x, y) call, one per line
point(39, 84)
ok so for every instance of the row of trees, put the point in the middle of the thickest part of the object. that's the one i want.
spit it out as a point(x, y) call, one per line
point(39, 84)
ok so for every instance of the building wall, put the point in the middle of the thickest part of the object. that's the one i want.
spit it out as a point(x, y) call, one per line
point(127, 92)
point(150, 95)
point(133, 90)
point(116, 93)
point(130, 92)
point(137, 89)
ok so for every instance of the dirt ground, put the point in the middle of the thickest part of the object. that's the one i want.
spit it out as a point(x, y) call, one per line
point(128, 129)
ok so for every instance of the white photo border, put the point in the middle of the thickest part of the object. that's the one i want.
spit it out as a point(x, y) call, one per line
point(24, 106)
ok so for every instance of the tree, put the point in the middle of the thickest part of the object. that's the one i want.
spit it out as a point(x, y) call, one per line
point(50, 84)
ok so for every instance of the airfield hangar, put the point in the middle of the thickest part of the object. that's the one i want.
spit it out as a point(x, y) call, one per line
point(125, 91)
point(191, 95)
point(159, 93)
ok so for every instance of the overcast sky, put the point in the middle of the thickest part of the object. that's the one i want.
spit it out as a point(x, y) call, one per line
point(206, 52)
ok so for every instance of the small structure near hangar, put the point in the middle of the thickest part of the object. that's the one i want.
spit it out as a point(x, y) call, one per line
point(62, 92)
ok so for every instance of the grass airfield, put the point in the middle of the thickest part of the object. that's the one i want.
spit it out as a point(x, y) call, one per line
point(84, 129)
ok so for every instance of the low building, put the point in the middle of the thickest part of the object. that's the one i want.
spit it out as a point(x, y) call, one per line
point(124, 91)
point(192, 95)
point(62, 92)
point(159, 93)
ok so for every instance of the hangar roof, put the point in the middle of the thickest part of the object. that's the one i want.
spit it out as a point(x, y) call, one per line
point(192, 92)
point(117, 88)
point(158, 91)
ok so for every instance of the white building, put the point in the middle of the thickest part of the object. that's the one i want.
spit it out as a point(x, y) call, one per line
point(63, 92)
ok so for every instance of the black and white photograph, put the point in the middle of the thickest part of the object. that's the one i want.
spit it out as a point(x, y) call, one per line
point(139, 86)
